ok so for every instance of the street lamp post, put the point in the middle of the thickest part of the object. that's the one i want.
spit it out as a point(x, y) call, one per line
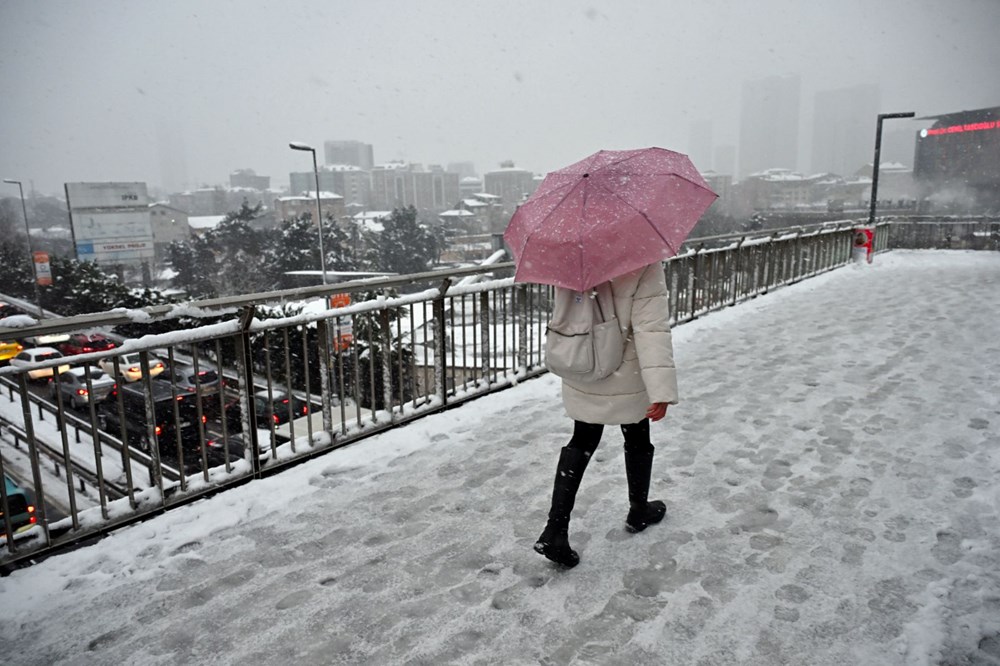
point(875, 164)
point(31, 258)
point(297, 145)
point(325, 383)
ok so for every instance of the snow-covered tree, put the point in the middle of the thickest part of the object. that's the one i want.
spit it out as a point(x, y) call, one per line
point(404, 245)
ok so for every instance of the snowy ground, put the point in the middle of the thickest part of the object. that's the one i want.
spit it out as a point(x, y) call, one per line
point(831, 484)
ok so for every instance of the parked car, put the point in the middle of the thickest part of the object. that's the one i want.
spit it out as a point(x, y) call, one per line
point(236, 444)
point(166, 427)
point(205, 382)
point(22, 512)
point(130, 367)
point(136, 426)
point(9, 349)
point(81, 343)
point(73, 386)
point(279, 409)
point(46, 340)
point(28, 357)
point(8, 310)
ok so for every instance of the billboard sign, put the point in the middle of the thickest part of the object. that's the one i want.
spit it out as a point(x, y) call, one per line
point(111, 222)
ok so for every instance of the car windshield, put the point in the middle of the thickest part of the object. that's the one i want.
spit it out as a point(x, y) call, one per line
point(46, 356)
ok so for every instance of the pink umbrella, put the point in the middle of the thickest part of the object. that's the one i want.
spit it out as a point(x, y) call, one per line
point(606, 215)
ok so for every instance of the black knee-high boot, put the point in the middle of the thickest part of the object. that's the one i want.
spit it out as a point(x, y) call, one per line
point(638, 468)
point(554, 541)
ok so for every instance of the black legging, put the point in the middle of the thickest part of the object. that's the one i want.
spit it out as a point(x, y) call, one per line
point(586, 436)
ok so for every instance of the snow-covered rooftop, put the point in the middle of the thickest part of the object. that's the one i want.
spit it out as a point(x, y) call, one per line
point(340, 167)
point(371, 215)
point(205, 221)
point(831, 487)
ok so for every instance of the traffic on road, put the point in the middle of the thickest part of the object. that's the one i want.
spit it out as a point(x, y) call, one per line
point(168, 407)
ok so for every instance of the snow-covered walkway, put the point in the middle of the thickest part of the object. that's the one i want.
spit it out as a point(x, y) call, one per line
point(831, 480)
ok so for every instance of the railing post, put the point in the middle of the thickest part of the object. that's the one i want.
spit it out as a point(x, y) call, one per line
point(697, 280)
point(6, 523)
point(521, 313)
point(484, 334)
point(440, 343)
point(323, 341)
point(154, 441)
point(737, 268)
point(36, 472)
point(248, 411)
point(67, 458)
point(386, 362)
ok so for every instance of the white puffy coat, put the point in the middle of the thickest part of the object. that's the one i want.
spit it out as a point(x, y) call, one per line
point(647, 374)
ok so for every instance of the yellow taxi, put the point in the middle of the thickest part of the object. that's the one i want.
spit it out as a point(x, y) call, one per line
point(9, 350)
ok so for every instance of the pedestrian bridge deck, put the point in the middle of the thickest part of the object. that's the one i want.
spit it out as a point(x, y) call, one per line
point(830, 478)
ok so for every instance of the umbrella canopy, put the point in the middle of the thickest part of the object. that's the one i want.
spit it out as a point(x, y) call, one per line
point(606, 215)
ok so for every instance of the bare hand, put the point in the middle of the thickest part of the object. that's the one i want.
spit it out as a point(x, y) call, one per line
point(656, 411)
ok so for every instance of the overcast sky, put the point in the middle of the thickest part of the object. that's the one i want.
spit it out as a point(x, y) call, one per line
point(189, 90)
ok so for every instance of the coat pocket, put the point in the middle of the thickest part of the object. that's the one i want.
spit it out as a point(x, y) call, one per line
point(587, 356)
point(609, 348)
point(569, 355)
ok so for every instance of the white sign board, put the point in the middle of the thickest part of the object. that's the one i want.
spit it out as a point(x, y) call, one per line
point(111, 222)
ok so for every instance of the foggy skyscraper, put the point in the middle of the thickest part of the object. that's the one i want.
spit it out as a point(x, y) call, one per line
point(353, 153)
point(700, 144)
point(724, 159)
point(843, 136)
point(172, 158)
point(769, 124)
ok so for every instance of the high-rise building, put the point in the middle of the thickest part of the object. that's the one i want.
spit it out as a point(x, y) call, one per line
point(843, 136)
point(700, 144)
point(769, 124)
point(399, 184)
point(248, 178)
point(351, 182)
point(724, 161)
point(463, 169)
point(170, 149)
point(511, 184)
point(957, 165)
point(354, 153)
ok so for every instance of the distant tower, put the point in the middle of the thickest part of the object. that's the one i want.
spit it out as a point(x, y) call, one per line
point(769, 124)
point(844, 129)
point(352, 153)
point(700, 144)
point(170, 150)
point(724, 161)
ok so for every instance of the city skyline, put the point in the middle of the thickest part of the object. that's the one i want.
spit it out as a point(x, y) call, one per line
point(187, 91)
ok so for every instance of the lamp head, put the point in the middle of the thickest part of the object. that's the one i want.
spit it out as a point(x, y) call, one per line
point(298, 145)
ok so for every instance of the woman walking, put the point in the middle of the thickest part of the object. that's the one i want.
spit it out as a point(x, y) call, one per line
point(635, 394)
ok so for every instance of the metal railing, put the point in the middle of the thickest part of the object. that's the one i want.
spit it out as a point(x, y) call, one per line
point(952, 233)
point(306, 378)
